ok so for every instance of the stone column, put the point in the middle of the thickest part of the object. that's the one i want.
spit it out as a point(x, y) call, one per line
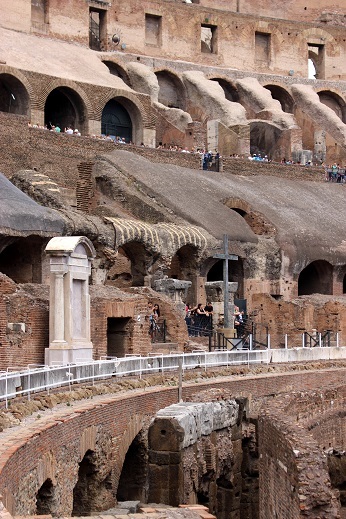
point(69, 312)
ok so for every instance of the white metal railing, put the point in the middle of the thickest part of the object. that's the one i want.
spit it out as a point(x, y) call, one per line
point(24, 381)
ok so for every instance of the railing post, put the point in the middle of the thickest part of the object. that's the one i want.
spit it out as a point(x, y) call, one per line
point(180, 379)
point(250, 341)
point(268, 341)
point(320, 339)
point(303, 340)
point(337, 339)
point(286, 341)
point(29, 384)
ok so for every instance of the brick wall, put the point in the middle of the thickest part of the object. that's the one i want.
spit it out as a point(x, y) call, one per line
point(56, 451)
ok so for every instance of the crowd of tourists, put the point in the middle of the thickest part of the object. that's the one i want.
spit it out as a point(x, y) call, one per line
point(199, 320)
point(335, 173)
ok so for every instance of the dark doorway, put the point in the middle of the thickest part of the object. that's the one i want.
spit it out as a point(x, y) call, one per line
point(64, 108)
point(118, 334)
point(316, 278)
point(116, 121)
point(45, 499)
point(22, 260)
point(133, 482)
point(14, 98)
point(83, 491)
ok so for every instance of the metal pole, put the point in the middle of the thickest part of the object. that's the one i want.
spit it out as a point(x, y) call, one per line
point(180, 379)
point(286, 341)
point(225, 283)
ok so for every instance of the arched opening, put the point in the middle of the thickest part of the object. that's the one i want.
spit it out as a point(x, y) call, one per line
point(171, 93)
point(316, 53)
point(64, 108)
point(231, 93)
point(281, 95)
point(316, 278)
point(45, 499)
point(335, 102)
point(184, 267)
point(133, 483)
point(22, 260)
point(14, 97)
point(131, 265)
point(116, 121)
point(93, 490)
point(264, 140)
point(255, 220)
point(117, 70)
point(235, 274)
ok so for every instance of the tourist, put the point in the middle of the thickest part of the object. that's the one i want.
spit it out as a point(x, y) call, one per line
point(188, 319)
point(199, 319)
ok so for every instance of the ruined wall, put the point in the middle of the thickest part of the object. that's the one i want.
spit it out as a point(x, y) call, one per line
point(107, 425)
point(294, 434)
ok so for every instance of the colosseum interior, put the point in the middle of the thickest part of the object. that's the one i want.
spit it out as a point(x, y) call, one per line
point(157, 137)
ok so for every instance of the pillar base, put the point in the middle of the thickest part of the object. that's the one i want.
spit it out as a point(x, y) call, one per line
point(61, 356)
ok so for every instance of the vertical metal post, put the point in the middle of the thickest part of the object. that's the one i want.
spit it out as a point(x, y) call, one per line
point(303, 340)
point(286, 341)
point(225, 281)
point(180, 379)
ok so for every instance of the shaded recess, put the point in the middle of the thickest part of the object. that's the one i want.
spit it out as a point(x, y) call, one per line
point(231, 93)
point(335, 102)
point(258, 223)
point(22, 260)
point(235, 274)
point(281, 95)
point(117, 70)
point(172, 91)
point(14, 97)
point(316, 278)
point(63, 108)
point(184, 267)
point(45, 499)
point(133, 482)
point(264, 138)
point(122, 118)
point(91, 491)
point(131, 265)
point(118, 336)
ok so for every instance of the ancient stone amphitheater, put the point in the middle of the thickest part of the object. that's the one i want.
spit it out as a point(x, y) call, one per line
point(144, 91)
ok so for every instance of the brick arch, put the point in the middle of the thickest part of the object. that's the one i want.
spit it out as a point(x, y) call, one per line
point(134, 426)
point(27, 90)
point(261, 26)
point(62, 83)
point(258, 223)
point(282, 95)
point(321, 34)
point(227, 85)
point(336, 96)
point(114, 65)
point(120, 94)
point(178, 85)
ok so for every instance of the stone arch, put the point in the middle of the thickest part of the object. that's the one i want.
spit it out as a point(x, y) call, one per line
point(132, 264)
point(117, 70)
point(135, 425)
point(14, 95)
point(264, 139)
point(129, 115)
point(64, 106)
point(84, 492)
point(316, 278)
point(133, 481)
point(172, 91)
point(230, 90)
point(45, 498)
point(335, 101)
point(280, 94)
point(258, 223)
point(314, 34)
point(249, 29)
